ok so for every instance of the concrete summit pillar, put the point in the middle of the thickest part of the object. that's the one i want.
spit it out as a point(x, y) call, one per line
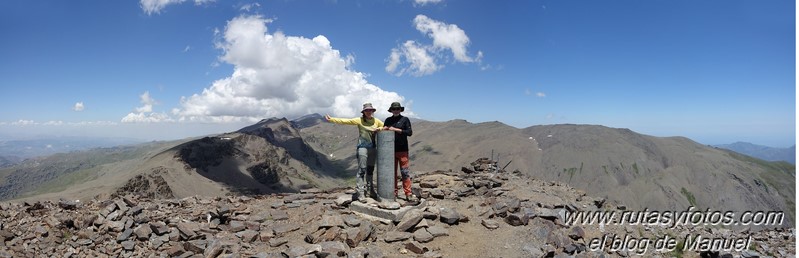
point(385, 166)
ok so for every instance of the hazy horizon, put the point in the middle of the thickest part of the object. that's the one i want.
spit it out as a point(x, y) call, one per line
point(178, 131)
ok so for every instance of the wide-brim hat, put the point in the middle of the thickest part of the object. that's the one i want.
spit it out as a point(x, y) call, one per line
point(368, 106)
point(396, 105)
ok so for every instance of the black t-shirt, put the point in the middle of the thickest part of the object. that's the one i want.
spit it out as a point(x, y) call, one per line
point(400, 139)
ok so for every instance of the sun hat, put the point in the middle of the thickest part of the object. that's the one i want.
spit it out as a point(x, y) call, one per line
point(396, 105)
point(368, 106)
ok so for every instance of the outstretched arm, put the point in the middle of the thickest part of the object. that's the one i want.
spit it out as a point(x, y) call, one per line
point(342, 121)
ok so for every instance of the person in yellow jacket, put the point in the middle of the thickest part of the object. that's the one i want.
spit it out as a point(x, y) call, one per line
point(365, 151)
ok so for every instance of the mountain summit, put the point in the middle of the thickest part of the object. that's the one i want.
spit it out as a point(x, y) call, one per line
point(641, 171)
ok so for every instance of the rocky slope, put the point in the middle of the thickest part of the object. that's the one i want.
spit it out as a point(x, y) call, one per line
point(267, 157)
point(472, 212)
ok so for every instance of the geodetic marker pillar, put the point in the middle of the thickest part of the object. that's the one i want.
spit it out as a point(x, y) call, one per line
point(385, 166)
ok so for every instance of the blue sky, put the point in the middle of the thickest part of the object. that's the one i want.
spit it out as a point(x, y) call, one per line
point(714, 71)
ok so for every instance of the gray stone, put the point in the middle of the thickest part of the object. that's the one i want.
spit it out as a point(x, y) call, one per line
point(422, 224)
point(115, 226)
point(576, 233)
point(297, 197)
point(464, 191)
point(570, 248)
point(490, 224)
point(410, 219)
point(343, 200)
point(352, 221)
point(248, 236)
point(449, 216)
point(279, 215)
point(281, 229)
point(236, 226)
point(333, 249)
point(275, 242)
point(315, 237)
point(551, 214)
point(389, 205)
point(394, 236)
point(128, 245)
point(329, 221)
point(187, 230)
point(438, 231)
point(330, 234)
point(143, 232)
point(303, 249)
point(422, 236)
point(67, 205)
point(159, 228)
point(124, 235)
point(516, 219)
point(430, 215)
point(355, 236)
point(513, 204)
point(428, 184)
point(437, 193)
point(214, 249)
point(195, 246)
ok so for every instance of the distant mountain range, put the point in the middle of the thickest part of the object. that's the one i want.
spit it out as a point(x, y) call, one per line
point(763, 152)
point(43, 146)
point(278, 155)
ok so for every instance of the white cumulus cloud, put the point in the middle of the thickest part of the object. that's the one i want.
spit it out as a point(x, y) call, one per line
point(419, 59)
point(445, 36)
point(23, 122)
point(147, 103)
point(425, 2)
point(78, 107)
point(145, 114)
point(540, 94)
point(248, 7)
point(276, 75)
point(155, 6)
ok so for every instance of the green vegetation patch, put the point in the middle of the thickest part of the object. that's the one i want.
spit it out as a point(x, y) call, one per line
point(689, 196)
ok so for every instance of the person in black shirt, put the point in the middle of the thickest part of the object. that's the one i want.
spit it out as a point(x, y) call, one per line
point(402, 129)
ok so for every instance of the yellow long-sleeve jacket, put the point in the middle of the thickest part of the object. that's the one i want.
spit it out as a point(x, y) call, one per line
point(366, 129)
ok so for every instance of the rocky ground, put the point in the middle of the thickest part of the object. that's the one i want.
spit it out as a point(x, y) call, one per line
point(475, 212)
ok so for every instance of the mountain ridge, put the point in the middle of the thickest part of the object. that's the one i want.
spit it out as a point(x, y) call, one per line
point(642, 171)
point(762, 152)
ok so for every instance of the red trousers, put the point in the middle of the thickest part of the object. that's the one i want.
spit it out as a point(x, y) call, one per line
point(402, 162)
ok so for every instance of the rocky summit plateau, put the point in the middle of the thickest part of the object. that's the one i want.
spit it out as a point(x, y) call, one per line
point(477, 211)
